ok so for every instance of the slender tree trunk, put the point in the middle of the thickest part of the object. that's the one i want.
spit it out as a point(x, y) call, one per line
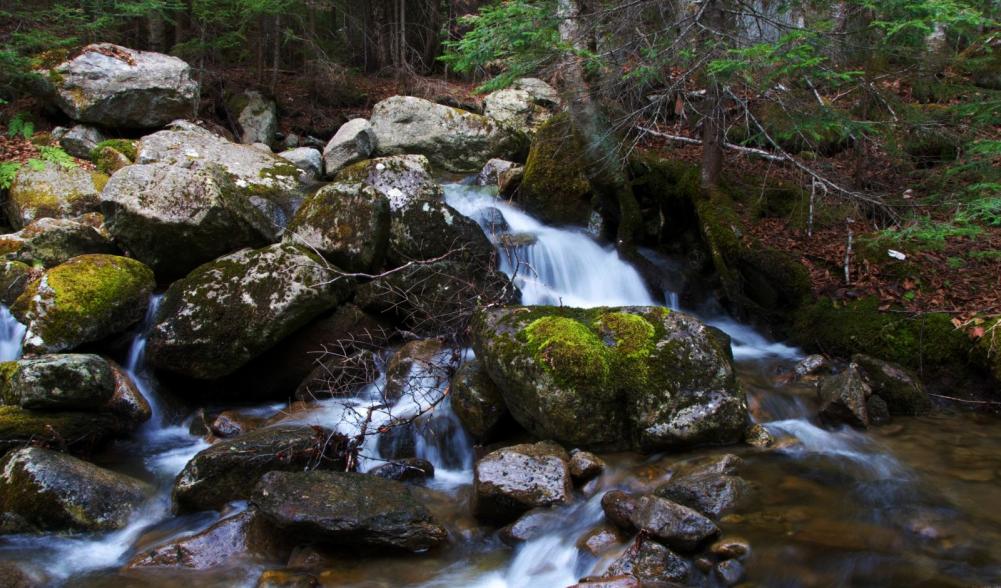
point(713, 123)
point(277, 53)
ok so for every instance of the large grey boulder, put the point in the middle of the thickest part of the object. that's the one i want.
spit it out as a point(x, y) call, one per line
point(403, 179)
point(174, 219)
point(344, 508)
point(58, 382)
point(353, 142)
point(46, 491)
point(307, 159)
point(256, 115)
point(524, 107)
point(81, 140)
point(48, 242)
point(229, 311)
point(634, 377)
point(451, 138)
point(53, 191)
point(114, 86)
point(515, 479)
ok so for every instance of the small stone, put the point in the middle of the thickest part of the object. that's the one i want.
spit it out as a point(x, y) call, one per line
point(731, 547)
point(531, 525)
point(412, 469)
point(585, 466)
point(619, 508)
point(600, 539)
point(758, 436)
point(649, 561)
point(286, 579)
point(810, 365)
point(730, 572)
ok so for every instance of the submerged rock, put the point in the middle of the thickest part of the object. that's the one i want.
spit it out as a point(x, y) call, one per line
point(53, 191)
point(476, 400)
point(634, 377)
point(353, 142)
point(347, 509)
point(49, 242)
point(514, 479)
point(86, 299)
point(531, 525)
point(710, 494)
point(600, 540)
point(46, 491)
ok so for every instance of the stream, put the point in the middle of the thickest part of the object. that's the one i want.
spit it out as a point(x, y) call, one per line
point(910, 503)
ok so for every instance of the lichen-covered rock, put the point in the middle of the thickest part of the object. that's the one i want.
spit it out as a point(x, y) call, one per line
point(554, 186)
point(492, 170)
point(427, 229)
point(515, 479)
point(639, 377)
point(226, 312)
point(344, 508)
point(353, 142)
point(673, 524)
point(86, 299)
point(403, 179)
point(53, 191)
point(48, 242)
point(451, 138)
point(14, 278)
point(585, 466)
point(256, 115)
point(476, 400)
point(348, 224)
point(45, 491)
point(710, 494)
point(229, 469)
point(898, 387)
point(307, 159)
point(524, 107)
point(843, 398)
point(651, 564)
point(80, 140)
point(57, 382)
point(79, 432)
point(113, 86)
point(109, 159)
point(174, 219)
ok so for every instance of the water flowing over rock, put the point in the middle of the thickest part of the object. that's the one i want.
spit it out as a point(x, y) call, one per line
point(476, 400)
point(452, 139)
point(51, 241)
point(640, 377)
point(86, 299)
point(515, 479)
point(347, 509)
point(53, 191)
point(226, 312)
point(174, 219)
point(42, 490)
point(256, 115)
point(353, 142)
point(114, 86)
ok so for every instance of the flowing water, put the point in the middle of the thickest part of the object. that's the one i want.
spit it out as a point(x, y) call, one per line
point(907, 504)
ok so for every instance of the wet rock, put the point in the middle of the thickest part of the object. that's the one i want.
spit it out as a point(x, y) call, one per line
point(649, 562)
point(80, 432)
point(286, 579)
point(412, 469)
point(731, 547)
point(811, 364)
point(620, 581)
point(53, 191)
point(673, 524)
point(16, 576)
point(348, 224)
point(127, 402)
point(758, 436)
point(256, 115)
point(80, 140)
point(307, 159)
point(238, 536)
point(14, 277)
point(230, 423)
point(531, 525)
point(453, 139)
point(633, 377)
point(620, 508)
point(843, 398)
point(410, 369)
point(710, 494)
point(514, 479)
point(57, 382)
point(476, 401)
point(229, 469)
point(492, 219)
point(427, 229)
point(353, 142)
point(554, 186)
point(898, 387)
point(717, 464)
point(84, 300)
point(114, 86)
point(730, 572)
point(49, 242)
point(46, 491)
point(600, 539)
point(513, 241)
point(348, 509)
point(174, 219)
point(585, 466)
point(492, 170)
point(510, 180)
point(226, 312)
point(879, 412)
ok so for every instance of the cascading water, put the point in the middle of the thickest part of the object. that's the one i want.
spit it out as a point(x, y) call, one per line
point(11, 335)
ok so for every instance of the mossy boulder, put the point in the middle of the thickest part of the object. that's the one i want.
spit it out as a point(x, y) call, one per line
point(229, 469)
point(79, 432)
point(14, 278)
point(48, 242)
point(257, 116)
point(174, 219)
point(476, 400)
point(46, 491)
point(555, 187)
point(900, 388)
point(57, 382)
point(229, 311)
point(53, 191)
point(112, 155)
point(635, 377)
point(348, 224)
point(86, 299)
point(401, 178)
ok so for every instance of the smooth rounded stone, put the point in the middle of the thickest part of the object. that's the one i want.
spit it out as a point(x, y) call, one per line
point(731, 547)
point(227, 312)
point(619, 581)
point(809, 365)
point(642, 378)
point(515, 479)
point(348, 224)
point(412, 469)
point(403, 179)
point(677, 526)
point(57, 382)
point(619, 508)
point(84, 300)
point(48, 242)
point(53, 191)
point(712, 495)
point(452, 139)
point(900, 388)
point(531, 525)
point(307, 159)
point(80, 140)
point(347, 509)
point(476, 401)
point(256, 115)
point(14, 278)
point(114, 86)
point(409, 368)
point(228, 470)
point(492, 170)
point(648, 561)
point(46, 491)
point(585, 466)
point(128, 402)
point(510, 180)
point(242, 535)
point(353, 142)
point(286, 579)
point(758, 436)
point(600, 539)
point(174, 219)
point(230, 423)
point(730, 572)
point(843, 398)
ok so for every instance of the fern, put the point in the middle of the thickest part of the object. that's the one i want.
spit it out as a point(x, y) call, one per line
point(57, 156)
point(8, 171)
point(19, 125)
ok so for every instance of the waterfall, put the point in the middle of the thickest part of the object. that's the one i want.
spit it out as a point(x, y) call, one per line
point(11, 335)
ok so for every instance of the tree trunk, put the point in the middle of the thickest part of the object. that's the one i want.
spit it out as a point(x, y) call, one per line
point(713, 123)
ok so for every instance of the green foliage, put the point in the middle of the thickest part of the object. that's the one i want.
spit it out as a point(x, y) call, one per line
point(57, 156)
point(8, 171)
point(927, 233)
point(19, 125)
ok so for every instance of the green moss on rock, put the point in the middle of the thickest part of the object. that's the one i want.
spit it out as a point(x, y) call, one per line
point(555, 186)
